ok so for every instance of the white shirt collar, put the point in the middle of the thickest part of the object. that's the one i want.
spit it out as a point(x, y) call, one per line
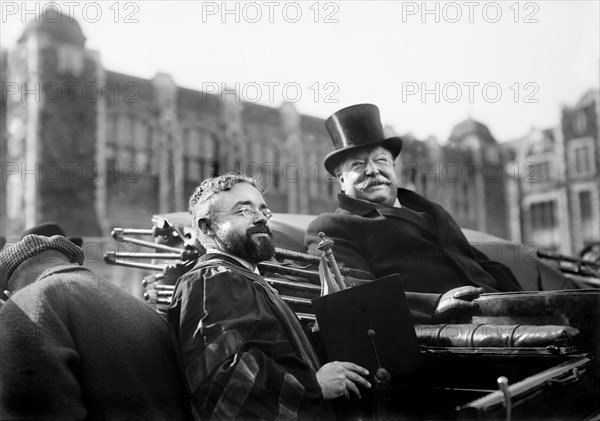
point(397, 204)
point(243, 262)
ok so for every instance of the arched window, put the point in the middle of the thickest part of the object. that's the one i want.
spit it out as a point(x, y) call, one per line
point(315, 174)
point(111, 140)
point(209, 147)
point(141, 144)
point(192, 150)
point(124, 140)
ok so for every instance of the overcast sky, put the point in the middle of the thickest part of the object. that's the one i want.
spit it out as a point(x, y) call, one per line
point(509, 65)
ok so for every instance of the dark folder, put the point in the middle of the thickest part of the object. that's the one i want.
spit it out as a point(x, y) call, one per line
point(346, 317)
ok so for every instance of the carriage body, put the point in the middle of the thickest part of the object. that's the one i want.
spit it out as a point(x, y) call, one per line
point(552, 374)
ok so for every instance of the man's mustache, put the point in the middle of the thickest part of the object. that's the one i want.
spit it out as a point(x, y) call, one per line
point(372, 182)
point(262, 229)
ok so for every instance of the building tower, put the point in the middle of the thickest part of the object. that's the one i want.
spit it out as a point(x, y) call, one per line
point(485, 173)
point(52, 110)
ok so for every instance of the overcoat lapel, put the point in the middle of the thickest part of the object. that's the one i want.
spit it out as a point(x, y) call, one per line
point(413, 202)
point(411, 217)
point(444, 225)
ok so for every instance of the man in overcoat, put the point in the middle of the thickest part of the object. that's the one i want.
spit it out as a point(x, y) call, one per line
point(76, 347)
point(381, 229)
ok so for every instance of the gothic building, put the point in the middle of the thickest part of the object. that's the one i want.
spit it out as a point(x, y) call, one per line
point(118, 149)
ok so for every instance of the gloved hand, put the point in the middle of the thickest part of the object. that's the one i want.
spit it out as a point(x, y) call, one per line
point(456, 303)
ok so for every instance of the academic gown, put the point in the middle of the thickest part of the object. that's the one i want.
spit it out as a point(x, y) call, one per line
point(244, 352)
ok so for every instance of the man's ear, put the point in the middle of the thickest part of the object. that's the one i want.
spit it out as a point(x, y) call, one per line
point(205, 227)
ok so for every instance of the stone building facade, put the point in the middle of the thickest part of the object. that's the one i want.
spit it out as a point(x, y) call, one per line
point(557, 204)
point(92, 149)
point(118, 148)
point(580, 129)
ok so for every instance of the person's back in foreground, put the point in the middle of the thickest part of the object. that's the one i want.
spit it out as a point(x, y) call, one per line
point(74, 346)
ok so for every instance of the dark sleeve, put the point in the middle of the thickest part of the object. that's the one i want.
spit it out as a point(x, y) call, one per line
point(505, 280)
point(421, 305)
point(39, 366)
point(346, 248)
point(347, 253)
point(238, 360)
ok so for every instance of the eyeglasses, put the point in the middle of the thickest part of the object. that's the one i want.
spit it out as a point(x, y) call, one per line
point(250, 211)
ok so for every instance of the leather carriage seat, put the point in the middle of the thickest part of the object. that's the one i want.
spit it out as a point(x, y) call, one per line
point(497, 336)
point(470, 335)
point(532, 273)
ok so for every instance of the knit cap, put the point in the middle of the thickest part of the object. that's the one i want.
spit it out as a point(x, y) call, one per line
point(31, 245)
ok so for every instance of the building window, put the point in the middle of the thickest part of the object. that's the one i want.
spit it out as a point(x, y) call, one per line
point(543, 215)
point(277, 169)
point(124, 140)
point(581, 157)
point(331, 192)
point(209, 148)
point(543, 172)
point(315, 173)
point(141, 142)
point(409, 175)
point(111, 141)
point(192, 154)
point(580, 123)
point(585, 205)
point(582, 162)
point(463, 203)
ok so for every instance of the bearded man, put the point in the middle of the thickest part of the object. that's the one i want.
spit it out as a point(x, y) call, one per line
point(381, 229)
point(244, 351)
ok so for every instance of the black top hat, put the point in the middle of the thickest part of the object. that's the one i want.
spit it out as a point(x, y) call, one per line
point(48, 229)
point(357, 127)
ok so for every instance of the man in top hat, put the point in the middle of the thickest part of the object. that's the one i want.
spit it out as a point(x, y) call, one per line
point(382, 229)
point(75, 346)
